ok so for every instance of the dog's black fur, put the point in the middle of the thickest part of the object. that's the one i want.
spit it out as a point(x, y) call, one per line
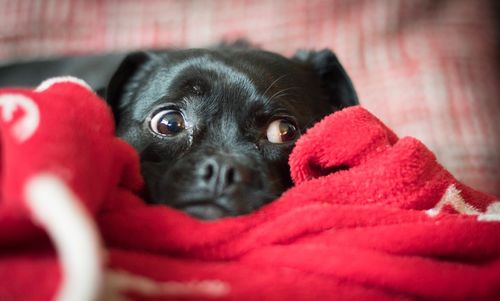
point(207, 122)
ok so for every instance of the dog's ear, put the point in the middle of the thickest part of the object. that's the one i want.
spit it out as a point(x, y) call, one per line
point(332, 74)
point(125, 80)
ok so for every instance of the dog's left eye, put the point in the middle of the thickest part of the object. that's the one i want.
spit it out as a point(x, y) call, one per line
point(281, 131)
point(168, 123)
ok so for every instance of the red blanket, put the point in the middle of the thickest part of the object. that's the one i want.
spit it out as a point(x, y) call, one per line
point(371, 217)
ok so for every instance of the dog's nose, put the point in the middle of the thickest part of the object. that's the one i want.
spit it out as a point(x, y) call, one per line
point(219, 174)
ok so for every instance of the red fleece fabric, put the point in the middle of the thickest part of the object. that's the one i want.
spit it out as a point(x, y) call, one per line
point(370, 217)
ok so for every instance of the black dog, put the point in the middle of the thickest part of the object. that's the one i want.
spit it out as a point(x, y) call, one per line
point(214, 127)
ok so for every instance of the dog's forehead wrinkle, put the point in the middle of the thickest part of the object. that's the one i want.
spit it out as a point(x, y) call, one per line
point(206, 62)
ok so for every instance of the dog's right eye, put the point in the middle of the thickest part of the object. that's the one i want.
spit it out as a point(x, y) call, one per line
point(168, 123)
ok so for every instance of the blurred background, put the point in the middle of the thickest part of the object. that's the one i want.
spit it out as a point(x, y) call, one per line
point(427, 68)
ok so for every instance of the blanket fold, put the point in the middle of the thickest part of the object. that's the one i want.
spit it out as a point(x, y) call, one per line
point(370, 217)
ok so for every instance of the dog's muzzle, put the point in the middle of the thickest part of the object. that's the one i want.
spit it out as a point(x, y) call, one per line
point(218, 187)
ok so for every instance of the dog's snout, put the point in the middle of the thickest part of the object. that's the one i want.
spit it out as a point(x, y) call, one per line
point(219, 174)
point(217, 186)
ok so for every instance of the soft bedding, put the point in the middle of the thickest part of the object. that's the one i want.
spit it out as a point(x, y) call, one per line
point(370, 217)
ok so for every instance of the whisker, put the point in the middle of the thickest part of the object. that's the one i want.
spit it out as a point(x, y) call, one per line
point(275, 82)
point(280, 93)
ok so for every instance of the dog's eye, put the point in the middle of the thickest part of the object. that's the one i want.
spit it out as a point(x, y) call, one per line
point(168, 123)
point(281, 131)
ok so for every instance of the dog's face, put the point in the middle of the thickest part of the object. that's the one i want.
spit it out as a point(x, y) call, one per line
point(214, 128)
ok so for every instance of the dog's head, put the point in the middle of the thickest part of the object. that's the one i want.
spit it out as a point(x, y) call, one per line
point(214, 127)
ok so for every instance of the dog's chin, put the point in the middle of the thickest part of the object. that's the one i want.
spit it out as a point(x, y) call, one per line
point(221, 206)
point(211, 209)
point(206, 211)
